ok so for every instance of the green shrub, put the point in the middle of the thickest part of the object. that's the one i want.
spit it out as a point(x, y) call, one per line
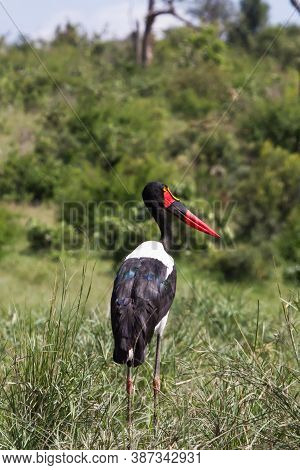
point(29, 177)
point(59, 237)
point(276, 121)
point(268, 193)
point(39, 237)
point(286, 47)
point(239, 264)
point(191, 47)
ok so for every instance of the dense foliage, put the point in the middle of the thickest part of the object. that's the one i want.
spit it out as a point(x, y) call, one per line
point(92, 126)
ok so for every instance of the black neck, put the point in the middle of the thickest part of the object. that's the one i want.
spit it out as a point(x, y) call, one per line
point(164, 221)
point(166, 238)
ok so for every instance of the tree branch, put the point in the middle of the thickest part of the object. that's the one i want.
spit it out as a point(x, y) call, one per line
point(184, 20)
point(296, 4)
point(152, 14)
point(167, 11)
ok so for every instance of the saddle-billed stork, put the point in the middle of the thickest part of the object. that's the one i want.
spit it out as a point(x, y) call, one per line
point(145, 286)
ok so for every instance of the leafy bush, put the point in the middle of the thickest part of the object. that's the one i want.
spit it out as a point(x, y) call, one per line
point(191, 47)
point(239, 264)
point(30, 177)
point(276, 121)
point(268, 193)
point(286, 47)
point(62, 236)
point(39, 237)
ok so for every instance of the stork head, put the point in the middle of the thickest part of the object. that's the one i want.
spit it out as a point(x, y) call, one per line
point(159, 199)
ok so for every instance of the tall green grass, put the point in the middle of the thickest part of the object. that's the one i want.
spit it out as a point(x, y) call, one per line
point(230, 376)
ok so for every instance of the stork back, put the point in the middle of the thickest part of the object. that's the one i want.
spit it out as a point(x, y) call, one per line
point(141, 297)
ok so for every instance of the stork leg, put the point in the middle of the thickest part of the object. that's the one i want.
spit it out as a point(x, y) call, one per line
point(156, 381)
point(129, 389)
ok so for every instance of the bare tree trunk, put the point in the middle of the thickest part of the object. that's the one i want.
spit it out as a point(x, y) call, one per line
point(152, 14)
point(147, 44)
point(136, 43)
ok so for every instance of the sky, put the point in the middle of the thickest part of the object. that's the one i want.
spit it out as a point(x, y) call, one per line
point(111, 18)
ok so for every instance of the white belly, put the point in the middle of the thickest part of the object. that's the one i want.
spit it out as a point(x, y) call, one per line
point(159, 329)
point(153, 250)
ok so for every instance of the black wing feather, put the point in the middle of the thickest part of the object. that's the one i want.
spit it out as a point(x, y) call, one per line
point(141, 297)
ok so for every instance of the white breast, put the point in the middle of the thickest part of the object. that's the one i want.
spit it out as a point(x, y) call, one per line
point(153, 250)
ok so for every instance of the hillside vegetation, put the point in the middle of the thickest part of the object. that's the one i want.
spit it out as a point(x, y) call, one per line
point(82, 122)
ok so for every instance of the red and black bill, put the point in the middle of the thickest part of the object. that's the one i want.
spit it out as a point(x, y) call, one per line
point(179, 210)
